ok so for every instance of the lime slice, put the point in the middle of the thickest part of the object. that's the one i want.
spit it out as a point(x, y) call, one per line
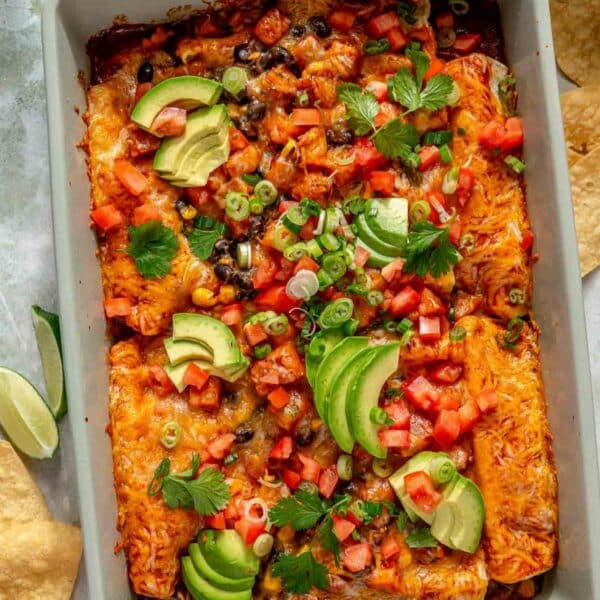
point(47, 333)
point(25, 417)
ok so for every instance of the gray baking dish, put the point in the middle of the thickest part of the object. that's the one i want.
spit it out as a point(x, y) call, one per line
point(67, 25)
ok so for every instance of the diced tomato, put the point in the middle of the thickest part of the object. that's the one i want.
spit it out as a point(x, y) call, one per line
point(195, 376)
point(311, 469)
point(389, 547)
point(144, 213)
point(283, 449)
point(141, 90)
point(513, 139)
point(361, 256)
point(231, 510)
point(419, 486)
point(380, 25)
point(447, 427)
point(382, 182)
point(255, 333)
point(306, 117)
point(487, 400)
point(430, 304)
point(390, 271)
point(448, 402)
point(131, 178)
point(527, 240)
point(379, 89)
point(215, 521)
point(398, 412)
point(291, 479)
point(199, 195)
point(466, 181)
point(455, 232)
point(435, 66)
point(445, 20)
point(237, 140)
point(275, 298)
point(405, 301)
point(265, 273)
point(249, 530)
point(160, 381)
point(430, 156)
point(466, 43)
point(232, 314)
point(446, 373)
point(117, 307)
point(421, 393)
point(358, 557)
point(367, 156)
point(170, 121)
point(342, 19)
point(394, 438)
point(208, 398)
point(219, 447)
point(397, 39)
point(342, 528)
point(279, 397)
point(430, 328)
point(491, 135)
point(271, 27)
point(306, 263)
point(328, 481)
point(468, 415)
point(107, 217)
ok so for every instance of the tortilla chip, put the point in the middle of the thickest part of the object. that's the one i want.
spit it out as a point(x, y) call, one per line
point(20, 498)
point(581, 118)
point(576, 29)
point(572, 156)
point(585, 185)
point(38, 559)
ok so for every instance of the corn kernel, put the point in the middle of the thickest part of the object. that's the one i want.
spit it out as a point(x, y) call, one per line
point(270, 583)
point(188, 212)
point(204, 297)
point(226, 294)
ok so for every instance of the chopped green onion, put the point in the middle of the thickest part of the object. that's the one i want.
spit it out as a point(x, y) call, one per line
point(402, 520)
point(373, 47)
point(324, 279)
point(294, 219)
point(277, 325)
point(467, 243)
point(332, 219)
point(450, 181)
point(309, 486)
point(452, 313)
point(349, 327)
point(461, 131)
point(320, 224)
point(313, 249)
point(413, 45)
point(336, 313)
point(262, 350)
point(328, 241)
point(303, 285)
point(518, 166)
point(390, 326)
point(230, 458)
point(266, 192)
point(262, 317)
point(251, 178)
point(361, 277)
point(310, 207)
point(354, 205)
point(295, 252)
point(374, 297)
point(514, 330)
point(303, 98)
point(237, 206)
point(458, 334)
point(437, 138)
point(382, 468)
point(507, 93)
point(170, 434)
point(446, 37)
point(442, 470)
point(406, 11)
point(406, 337)
point(235, 80)
point(459, 7)
point(243, 254)
point(348, 252)
point(345, 467)
point(404, 326)
point(379, 416)
point(335, 264)
point(283, 237)
point(446, 154)
point(516, 296)
point(419, 211)
point(263, 545)
point(454, 97)
point(256, 206)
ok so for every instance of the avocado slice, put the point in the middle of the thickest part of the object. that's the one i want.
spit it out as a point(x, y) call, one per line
point(335, 360)
point(337, 399)
point(201, 123)
point(231, 373)
point(328, 339)
point(376, 259)
point(364, 395)
point(183, 351)
point(187, 91)
point(388, 220)
point(214, 577)
point(212, 334)
point(200, 589)
point(365, 233)
point(226, 552)
point(205, 165)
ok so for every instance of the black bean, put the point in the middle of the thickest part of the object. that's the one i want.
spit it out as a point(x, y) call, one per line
point(222, 248)
point(249, 295)
point(248, 128)
point(277, 55)
point(339, 135)
point(243, 434)
point(242, 52)
point(145, 73)
point(224, 272)
point(243, 280)
point(304, 435)
point(320, 26)
point(256, 110)
point(298, 30)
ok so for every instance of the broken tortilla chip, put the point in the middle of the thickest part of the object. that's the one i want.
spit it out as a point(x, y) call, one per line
point(576, 30)
point(20, 498)
point(585, 187)
point(581, 118)
point(38, 559)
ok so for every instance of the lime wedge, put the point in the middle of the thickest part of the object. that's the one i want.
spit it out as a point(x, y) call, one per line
point(47, 333)
point(25, 417)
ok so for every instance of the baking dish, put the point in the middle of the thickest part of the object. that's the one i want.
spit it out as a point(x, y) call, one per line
point(67, 25)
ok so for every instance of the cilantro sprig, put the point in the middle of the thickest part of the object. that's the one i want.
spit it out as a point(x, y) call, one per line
point(202, 239)
point(429, 249)
point(421, 538)
point(301, 573)
point(152, 246)
point(207, 494)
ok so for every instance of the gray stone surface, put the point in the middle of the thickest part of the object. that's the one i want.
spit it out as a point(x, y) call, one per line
point(27, 273)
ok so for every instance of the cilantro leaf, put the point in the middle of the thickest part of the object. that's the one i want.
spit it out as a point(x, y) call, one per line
point(329, 540)
point(209, 492)
point(152, 246)
point(362, 107)
point(176, 493)
point(428, 249)
point(202, 239)
point(421, 538)
point(402, 88)
point(396, 139)
point(302, 510)
point(301, 573)
point(420, 62)
point(436, 92)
